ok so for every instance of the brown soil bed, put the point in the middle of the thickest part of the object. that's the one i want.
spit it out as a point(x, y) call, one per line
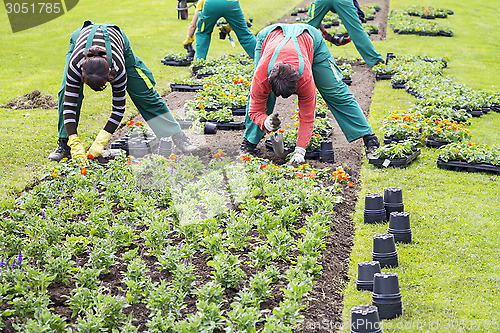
point(32, 100)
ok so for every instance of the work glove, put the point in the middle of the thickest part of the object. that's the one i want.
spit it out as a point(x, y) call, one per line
point(226, 28)
point(77, 150)
point(272, 122)
point(336, 40)
point(298, 156)
point(98, 146)
point(189, 40)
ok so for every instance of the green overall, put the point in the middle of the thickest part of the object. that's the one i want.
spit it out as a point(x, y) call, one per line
point(327, 77)
point(231, 11)
point(140, 86)
point(348, 14)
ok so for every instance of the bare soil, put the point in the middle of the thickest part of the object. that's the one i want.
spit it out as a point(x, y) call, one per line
point(32, 100)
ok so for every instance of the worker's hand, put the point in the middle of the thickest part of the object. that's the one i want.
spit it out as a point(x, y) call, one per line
point(226, 28)
point(344, 40)
point(98, 146)
point(272, 122)
point(77, 150)
point(189, 40)
point(327, 36)
point(298, 156)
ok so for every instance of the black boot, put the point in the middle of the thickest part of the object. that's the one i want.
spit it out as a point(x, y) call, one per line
point(371, 144)
point(182, 142)
point(248, 148)
point(62, 150)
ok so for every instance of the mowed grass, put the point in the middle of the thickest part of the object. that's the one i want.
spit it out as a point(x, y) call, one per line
point(449, 276)
point(34, 59)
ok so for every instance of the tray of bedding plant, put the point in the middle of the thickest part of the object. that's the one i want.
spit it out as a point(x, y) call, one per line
point(397, 155)
point(139, 140)
point(319, 146)
point(176, 59)
point(468, 157)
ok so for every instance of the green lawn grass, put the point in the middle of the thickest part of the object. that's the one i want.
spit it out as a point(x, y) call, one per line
point(34, 59)
point(449, 275)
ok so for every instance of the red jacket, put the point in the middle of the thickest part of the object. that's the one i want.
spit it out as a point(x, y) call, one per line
point(306, 90)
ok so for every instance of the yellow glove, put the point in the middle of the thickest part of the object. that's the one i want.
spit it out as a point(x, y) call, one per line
point(98, 146)
point(77, 150)
point(189, 40)
point(226, 28)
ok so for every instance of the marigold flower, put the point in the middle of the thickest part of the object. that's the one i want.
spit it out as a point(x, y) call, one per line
point(129, 162)
point(311, 174)
point(172, 157)
point(130, 122)
point(264, 166)
point(54, 175)
point(90, 156)
point(288, 126)
point(84, 171)
point(350, 184)
point(457, 151)
point(300, 175)
point(139, 123)
point(281, 130)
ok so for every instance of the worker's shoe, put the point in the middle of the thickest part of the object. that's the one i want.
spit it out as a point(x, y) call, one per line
point(371, 144)
point(247, 147)
point(62, 150)
point(182, 142)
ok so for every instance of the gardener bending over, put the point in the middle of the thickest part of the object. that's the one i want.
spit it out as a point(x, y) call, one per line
point(349, 15)
point(293, 58)
point(98, 54)
point(207, 13)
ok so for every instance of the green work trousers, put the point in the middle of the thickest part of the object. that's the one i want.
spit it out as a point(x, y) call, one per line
point(140, 88)
point(231, 11)
point(348, 14)
point(328, 79)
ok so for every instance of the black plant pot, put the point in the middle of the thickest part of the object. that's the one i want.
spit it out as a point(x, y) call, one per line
point(210, 128)
point(326, 152)
point(366, 271)
point(365, 319)
point(165, 147)
point(399, 226)
point(384, 250)
point(386, 295)
point(393, 200)
point(374, 211)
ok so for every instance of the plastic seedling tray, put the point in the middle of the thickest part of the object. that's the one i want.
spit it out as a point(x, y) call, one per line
point(401, 162)
point(186, 87)
point(456, 165)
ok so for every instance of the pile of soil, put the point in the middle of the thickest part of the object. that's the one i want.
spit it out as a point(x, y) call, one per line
point(32, 100)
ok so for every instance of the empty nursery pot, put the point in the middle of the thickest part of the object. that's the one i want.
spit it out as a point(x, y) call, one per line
point(165, 147)
point(374, 201)
point(386, 295)
point(210, 128)
point(384, 250)
point(365, 319)
point(366, 271)
point(374, 211)
point(393, 200)
point(326, 151)
point(399, 226)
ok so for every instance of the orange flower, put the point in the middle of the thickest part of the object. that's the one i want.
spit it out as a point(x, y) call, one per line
point(300, 175)
point(457, 151)
point(130, 122)
point(245, 158)
point(129, 162)
point(471, 144)
point(350, 184)
point(84, 171)
point(395, 117)
point(90, 156)
point(264, 166)
point(172, 157)
point(201, 105)
point(311, 174)
point(281, 130)
point(139, 123)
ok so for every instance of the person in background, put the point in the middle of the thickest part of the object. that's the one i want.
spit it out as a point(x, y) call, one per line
point(98, 54)
point(349, 13)
point(294, 58)
point(207, 14)
point(188, 43)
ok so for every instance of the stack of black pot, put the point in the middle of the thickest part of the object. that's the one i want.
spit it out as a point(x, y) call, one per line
point(386, 297)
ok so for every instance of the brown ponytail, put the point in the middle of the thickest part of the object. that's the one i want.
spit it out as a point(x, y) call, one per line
point(95, 69)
